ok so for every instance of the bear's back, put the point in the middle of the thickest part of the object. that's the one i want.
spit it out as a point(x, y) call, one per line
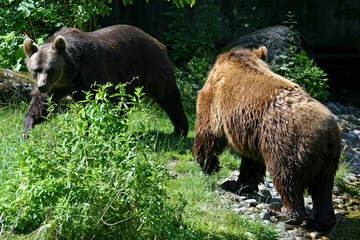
point(114, 41)
point(240, 75)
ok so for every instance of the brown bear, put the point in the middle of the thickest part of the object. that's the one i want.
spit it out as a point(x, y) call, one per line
point(275, 126)
point(71, 61)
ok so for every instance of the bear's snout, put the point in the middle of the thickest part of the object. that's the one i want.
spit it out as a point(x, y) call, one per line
point(42, 83)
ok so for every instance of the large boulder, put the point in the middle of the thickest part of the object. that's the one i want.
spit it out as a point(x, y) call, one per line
point(15, 86)
point(275, 38)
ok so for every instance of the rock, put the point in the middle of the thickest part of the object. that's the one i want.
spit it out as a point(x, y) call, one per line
point(287, 238)
point(250, 203)
point(308, 201)
point(341, 206)
point(351, 177)
point(265, 216)
point(275, 38)
point(296, 233)
point(265, 195)
point(353, 202)
point(15, 86)
point(276, 201)
point(355, 183)
point(262, 206)
point(333, 107)
point(274, 219)
point(233, 176)
point(338, 200)
point(352, 137)
point(315, 234)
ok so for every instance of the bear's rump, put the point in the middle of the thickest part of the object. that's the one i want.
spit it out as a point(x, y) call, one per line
point(287, 132)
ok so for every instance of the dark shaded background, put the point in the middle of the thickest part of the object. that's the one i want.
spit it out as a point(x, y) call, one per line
point(331, 29)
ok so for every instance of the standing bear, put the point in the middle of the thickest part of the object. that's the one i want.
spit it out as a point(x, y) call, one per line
point(275, 126)
point(71, 61)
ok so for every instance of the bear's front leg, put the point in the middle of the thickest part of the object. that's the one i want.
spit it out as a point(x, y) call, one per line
point(252, 173)
point(36, 112)
point(207, 147)
point(171, 104)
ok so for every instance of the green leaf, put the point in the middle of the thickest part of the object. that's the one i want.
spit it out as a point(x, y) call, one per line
point(48, 12)
point(26, 8)
point(25, 11)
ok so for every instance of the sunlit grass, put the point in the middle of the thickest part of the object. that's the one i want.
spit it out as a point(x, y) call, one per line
point(194, 196)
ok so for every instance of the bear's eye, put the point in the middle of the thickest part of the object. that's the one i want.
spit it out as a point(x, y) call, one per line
point(50, 70)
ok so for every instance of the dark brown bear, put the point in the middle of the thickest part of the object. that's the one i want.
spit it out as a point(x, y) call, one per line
point(71, 61)
point(275, 126)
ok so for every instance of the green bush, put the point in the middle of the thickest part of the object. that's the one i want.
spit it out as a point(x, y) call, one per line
point(38, 19)
point(299, 68)
point(89, 178)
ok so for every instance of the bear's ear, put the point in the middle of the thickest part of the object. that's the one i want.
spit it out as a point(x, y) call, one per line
point(29, 47)
point(59, 44)
point(261, 52)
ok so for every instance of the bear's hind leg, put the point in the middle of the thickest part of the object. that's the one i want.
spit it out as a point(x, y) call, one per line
point(252, 173)
point(291, 192)
point(320, 190)
point(171, 104)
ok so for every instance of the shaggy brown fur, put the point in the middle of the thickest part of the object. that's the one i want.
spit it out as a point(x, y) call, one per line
point(274, 125)
point(71, 61)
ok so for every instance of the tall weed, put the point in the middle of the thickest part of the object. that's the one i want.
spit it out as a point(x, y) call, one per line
point(88, 178)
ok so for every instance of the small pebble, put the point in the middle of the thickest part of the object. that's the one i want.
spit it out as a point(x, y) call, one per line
point(353, 202)
point(250, 203)
point(338, 200)
point(265, 216)
point(352, 137)
point(315, 234)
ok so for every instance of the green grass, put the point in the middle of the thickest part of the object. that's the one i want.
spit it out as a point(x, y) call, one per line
point(187, 204)
point(342, 172)
point(193, 210)
point(203, 208)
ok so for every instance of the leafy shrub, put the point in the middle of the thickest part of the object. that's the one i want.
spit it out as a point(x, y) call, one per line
point(11, 53)
point(299, 68)
point(38, 19)
point(90, 178)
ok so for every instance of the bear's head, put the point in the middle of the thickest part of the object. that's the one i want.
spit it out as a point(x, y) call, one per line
point(46, 62)
point(255, 58)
